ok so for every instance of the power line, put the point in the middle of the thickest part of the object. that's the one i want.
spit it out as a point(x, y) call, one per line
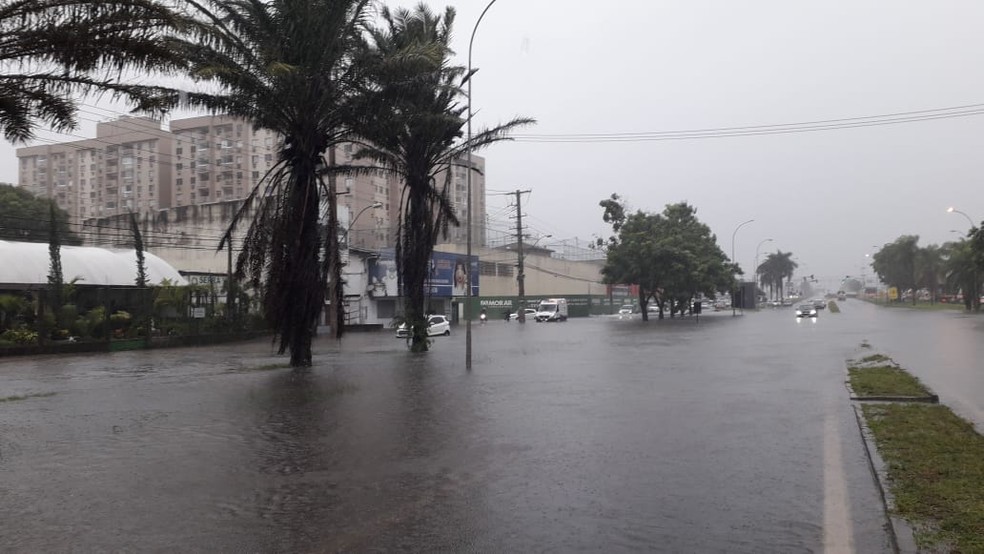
point(895, 118)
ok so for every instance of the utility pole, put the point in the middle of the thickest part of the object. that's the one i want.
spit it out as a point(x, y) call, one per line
point(520, 276)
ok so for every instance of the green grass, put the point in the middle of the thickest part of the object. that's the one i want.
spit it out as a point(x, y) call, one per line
point(885, 381)
point(923, 305)
point(26, 396)
point(875, 358)
point(833, 307)
point(935, 466)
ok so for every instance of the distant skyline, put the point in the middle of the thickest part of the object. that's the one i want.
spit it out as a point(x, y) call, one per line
point(829, 196)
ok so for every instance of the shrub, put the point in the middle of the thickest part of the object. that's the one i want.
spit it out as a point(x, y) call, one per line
point(20, 336)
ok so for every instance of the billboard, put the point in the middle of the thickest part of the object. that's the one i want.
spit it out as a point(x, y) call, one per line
point(449, 275)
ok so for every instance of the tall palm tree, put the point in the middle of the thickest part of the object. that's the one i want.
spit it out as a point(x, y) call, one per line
point(286, 66)
point(776, 270)
point(52, 51)
point(412, 121)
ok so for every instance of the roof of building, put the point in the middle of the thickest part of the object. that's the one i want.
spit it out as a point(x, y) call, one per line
point(28, 263)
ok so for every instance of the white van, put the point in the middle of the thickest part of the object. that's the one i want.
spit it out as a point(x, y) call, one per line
point(552, 309)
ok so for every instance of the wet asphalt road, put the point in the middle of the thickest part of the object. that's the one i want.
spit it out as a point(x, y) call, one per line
point(727, 435)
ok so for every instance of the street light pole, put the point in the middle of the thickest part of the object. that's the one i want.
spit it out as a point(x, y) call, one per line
point(975, 299)
point(756, 268)
point(373, 206)
point(953, 210)
point(468, 148)
point(733, 261)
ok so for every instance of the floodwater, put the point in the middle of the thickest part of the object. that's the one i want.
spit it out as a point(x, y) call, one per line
point(731, 434)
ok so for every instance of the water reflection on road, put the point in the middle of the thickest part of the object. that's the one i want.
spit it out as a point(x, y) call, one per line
point(598, 434)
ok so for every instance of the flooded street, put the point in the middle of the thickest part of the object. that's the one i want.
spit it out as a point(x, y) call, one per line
point(731, 434)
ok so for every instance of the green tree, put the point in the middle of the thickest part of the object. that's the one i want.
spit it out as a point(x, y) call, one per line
point(412, 118)
point(930, 269)
point(775, 271)
point(670, 256)
point(54, 51)
point(287, 66)
point(961, 273)
point(25, 217)
point(138, 247)
point(895, 264)
point(55, 278)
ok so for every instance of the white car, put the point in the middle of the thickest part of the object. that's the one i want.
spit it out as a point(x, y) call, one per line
point(436, 325)
point(530, 314)
point(625, 310)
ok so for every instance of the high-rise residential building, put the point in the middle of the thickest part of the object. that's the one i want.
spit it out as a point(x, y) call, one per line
point(125, 168)
point(135, 165)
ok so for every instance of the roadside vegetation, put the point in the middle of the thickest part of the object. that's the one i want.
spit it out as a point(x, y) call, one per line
point(934, 459)
point(951, 270)
point(936, 471)
point(885, 380)
point(672, 256)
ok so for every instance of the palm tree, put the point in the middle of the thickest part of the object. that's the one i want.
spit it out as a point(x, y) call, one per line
point(286, 66)
point(54, 50)
point(412, 121)
point(775, 270)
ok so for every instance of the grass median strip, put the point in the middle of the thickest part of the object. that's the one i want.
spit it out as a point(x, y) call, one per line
point(936, 471)
point(885, 380)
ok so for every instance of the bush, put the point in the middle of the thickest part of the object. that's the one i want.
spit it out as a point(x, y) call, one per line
point(96, 321)
point(20, 336)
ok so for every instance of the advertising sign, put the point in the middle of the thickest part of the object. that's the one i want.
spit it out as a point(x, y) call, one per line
point(449, 275)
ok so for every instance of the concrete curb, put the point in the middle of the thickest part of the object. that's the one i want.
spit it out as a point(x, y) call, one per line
point(901, 534)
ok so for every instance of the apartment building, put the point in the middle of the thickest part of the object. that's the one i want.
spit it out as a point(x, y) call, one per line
point(125, 168)
point(135, 165)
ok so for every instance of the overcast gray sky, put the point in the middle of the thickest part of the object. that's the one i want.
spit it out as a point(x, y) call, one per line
point(650, 66)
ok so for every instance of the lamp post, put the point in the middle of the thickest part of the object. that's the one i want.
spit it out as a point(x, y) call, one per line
point(756, 268)
point(373, 206)
point(733, 261)
point(976, 287)
point(468, 148)
point(953, 210)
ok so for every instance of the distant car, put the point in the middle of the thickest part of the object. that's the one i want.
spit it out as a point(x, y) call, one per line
point(530, 314)
point(806, 310)
point(436, 325)
point(819, 303)
point(625, 310)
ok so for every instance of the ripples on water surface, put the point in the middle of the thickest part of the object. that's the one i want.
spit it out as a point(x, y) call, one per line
point(591, 435)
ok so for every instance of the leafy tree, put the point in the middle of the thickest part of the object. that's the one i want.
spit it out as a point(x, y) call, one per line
point(895, 264)
point(959, 272)
point(671, 256)
point(412, 118)
point(25, 217)
point(776, 270)
point(55, 50)
point(287, 66)
point(929, 269)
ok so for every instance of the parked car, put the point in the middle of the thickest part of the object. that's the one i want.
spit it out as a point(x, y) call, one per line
point(806, 310)
point(530, 314)
point(626, 310)
point(436, 325)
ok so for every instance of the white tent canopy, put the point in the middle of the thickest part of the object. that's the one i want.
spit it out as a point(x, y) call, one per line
point(28, 263)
